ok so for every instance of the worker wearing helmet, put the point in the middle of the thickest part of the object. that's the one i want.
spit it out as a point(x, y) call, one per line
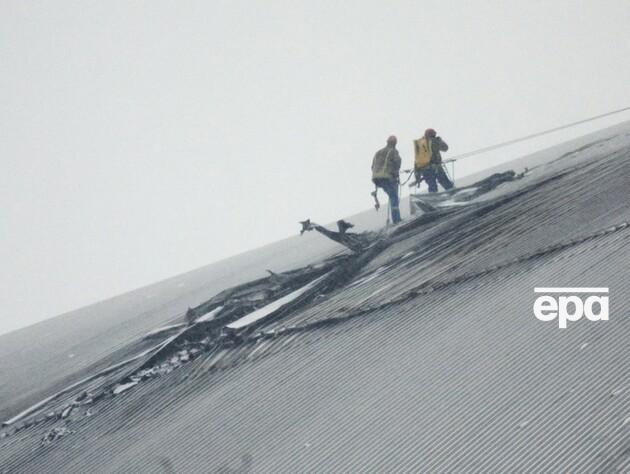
point(385, 174)
point(428, 161)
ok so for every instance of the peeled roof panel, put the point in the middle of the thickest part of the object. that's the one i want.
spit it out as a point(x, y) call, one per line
point(272, 307)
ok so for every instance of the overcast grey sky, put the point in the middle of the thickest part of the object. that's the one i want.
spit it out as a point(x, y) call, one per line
point(141, 139)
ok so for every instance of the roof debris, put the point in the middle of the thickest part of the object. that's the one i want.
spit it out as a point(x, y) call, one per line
point(120, 388)
point(54, 434)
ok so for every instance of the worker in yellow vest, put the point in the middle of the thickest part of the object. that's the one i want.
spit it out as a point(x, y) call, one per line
point(385, 174)
point(428, 163)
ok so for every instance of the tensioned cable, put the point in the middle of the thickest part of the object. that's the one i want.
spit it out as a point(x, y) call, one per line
point(533, 135)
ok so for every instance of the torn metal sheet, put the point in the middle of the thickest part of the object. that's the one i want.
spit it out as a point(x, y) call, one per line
point(271, 308)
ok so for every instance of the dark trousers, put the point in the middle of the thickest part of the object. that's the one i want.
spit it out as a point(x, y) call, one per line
point(436, 173)
point(391, 188)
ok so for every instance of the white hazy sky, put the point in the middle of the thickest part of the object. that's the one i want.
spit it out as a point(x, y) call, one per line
point(141, 139)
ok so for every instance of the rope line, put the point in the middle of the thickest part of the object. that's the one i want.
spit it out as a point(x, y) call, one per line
point(533, 135)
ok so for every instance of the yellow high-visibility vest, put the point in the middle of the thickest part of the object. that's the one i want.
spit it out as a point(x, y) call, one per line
point(423, 152)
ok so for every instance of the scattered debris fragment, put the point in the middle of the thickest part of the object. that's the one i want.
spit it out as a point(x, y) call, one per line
point(120, 388)
point(55, 433)
point(306, 226)
point(66, 412)
point(355, 242)
point(343, 226)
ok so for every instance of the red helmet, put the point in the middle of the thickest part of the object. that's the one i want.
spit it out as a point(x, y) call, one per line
point(392, 139)
point(430, 133)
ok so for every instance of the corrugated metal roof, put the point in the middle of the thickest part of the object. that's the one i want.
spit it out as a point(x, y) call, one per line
point(429, 360)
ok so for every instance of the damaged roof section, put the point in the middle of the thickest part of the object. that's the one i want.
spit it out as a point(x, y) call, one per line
point(424, 331)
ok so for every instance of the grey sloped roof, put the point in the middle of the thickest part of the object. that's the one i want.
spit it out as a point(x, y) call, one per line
point(427, 359)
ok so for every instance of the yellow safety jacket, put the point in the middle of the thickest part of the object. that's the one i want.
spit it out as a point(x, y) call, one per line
point(423, 152)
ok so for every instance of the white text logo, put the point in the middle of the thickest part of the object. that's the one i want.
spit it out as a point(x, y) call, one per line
point(571, 307)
